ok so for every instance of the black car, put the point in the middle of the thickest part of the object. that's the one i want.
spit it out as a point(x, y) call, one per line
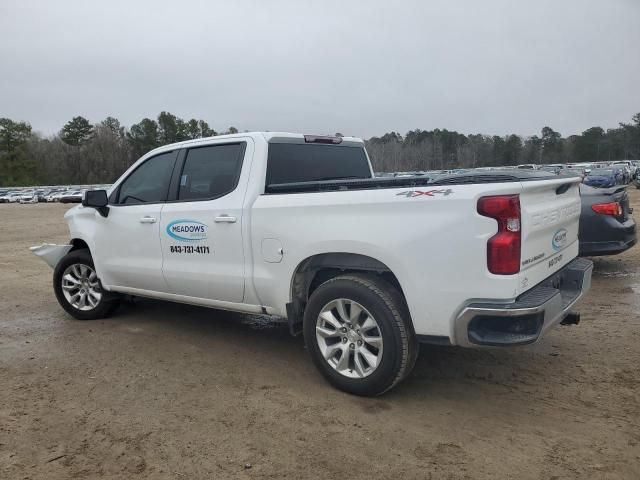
point(606, 224)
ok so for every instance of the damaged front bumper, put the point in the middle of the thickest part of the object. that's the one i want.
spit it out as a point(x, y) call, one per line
point(51, 253)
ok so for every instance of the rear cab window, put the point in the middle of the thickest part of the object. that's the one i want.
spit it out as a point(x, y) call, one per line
point(302, 162)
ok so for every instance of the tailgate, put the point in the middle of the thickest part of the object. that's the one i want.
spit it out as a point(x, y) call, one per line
point(550, 214)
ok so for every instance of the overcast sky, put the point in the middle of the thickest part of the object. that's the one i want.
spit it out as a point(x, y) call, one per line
point(358, 67)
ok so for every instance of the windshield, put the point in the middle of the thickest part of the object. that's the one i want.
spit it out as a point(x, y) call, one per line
point(602, 171)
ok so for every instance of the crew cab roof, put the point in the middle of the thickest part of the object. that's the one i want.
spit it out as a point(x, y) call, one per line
point(271, 137)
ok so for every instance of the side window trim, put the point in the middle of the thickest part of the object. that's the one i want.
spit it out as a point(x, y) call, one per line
point(174, 184)
point(114, 198)
point(179, 168)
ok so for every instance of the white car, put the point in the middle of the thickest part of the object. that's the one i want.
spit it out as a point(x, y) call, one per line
point(366, 268)
point(28, 197)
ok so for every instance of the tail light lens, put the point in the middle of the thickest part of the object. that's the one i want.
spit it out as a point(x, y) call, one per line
point(503, 249)
point(614, 209)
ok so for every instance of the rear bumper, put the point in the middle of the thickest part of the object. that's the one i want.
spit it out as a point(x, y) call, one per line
point(594, 249)
point(528, 317)
point(608, 237)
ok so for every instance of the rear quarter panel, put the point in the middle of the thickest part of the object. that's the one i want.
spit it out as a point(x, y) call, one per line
point(432, 239)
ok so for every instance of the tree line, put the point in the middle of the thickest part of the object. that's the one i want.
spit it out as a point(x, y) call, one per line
point(443, 149)
point(86, 153)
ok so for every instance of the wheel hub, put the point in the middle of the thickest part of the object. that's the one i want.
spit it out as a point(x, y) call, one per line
point(352, 336)
point(349, 338)
point(81, 287)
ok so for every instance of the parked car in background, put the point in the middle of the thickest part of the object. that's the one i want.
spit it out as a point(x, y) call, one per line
point(572, 171)
point(28, 197)
point(625, 170)
point(54, 196)
point(621, 177)
point(74, 196)
point(42, 195)
point(551, 169)
point(601, 178)
point(13, 197)
point(606, 224)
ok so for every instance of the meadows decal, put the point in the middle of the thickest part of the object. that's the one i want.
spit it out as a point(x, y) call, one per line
point(187, 230)
point(559, 239)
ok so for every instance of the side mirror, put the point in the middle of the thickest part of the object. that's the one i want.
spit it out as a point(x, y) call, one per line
point(96, 199)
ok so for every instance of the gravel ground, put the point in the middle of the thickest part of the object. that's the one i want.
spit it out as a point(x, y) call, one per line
point(170, 391)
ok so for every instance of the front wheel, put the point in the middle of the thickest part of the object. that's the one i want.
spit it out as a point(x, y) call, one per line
point(78, 289)
point(357, 329)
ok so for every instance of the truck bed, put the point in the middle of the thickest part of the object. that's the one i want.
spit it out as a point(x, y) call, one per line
point(506, 176)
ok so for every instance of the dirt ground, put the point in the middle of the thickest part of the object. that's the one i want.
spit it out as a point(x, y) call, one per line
point(170, 391)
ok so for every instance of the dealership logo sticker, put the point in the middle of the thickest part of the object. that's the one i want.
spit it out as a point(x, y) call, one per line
point(187, 230)
point(559, 239)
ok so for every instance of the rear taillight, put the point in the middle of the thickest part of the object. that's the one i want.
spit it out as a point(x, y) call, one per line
point(503, 249)
point(614, 209)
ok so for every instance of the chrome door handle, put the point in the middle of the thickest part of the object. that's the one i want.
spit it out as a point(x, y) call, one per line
point(148, 220)
point(225, 219)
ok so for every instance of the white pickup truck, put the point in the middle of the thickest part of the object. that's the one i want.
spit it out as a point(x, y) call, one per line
point(297, 226)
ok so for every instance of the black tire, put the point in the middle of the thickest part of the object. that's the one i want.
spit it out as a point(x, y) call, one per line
point(105, 306)
point(387, 306)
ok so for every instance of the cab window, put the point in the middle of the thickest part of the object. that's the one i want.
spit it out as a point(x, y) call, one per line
point(210, 172)
point(149, 183)
point(293, 162)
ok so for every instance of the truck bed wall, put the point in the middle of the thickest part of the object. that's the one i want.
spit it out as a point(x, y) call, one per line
point(432, 239)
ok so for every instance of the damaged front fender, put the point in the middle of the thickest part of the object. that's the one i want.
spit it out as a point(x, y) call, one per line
point(51, 253)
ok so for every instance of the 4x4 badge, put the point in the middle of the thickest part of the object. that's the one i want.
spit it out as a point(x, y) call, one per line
point(427, 193)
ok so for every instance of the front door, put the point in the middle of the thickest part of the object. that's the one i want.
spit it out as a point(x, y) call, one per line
point(201, 229)
point(128, 252)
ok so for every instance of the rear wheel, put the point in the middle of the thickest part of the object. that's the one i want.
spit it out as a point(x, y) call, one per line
point(78, 288)
point(357, 331)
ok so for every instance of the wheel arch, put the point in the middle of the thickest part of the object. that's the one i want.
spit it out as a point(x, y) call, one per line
point(78, 244)
point(317, 269)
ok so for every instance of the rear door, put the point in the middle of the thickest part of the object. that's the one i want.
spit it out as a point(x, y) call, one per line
point(201, 227)
point(550, 215)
